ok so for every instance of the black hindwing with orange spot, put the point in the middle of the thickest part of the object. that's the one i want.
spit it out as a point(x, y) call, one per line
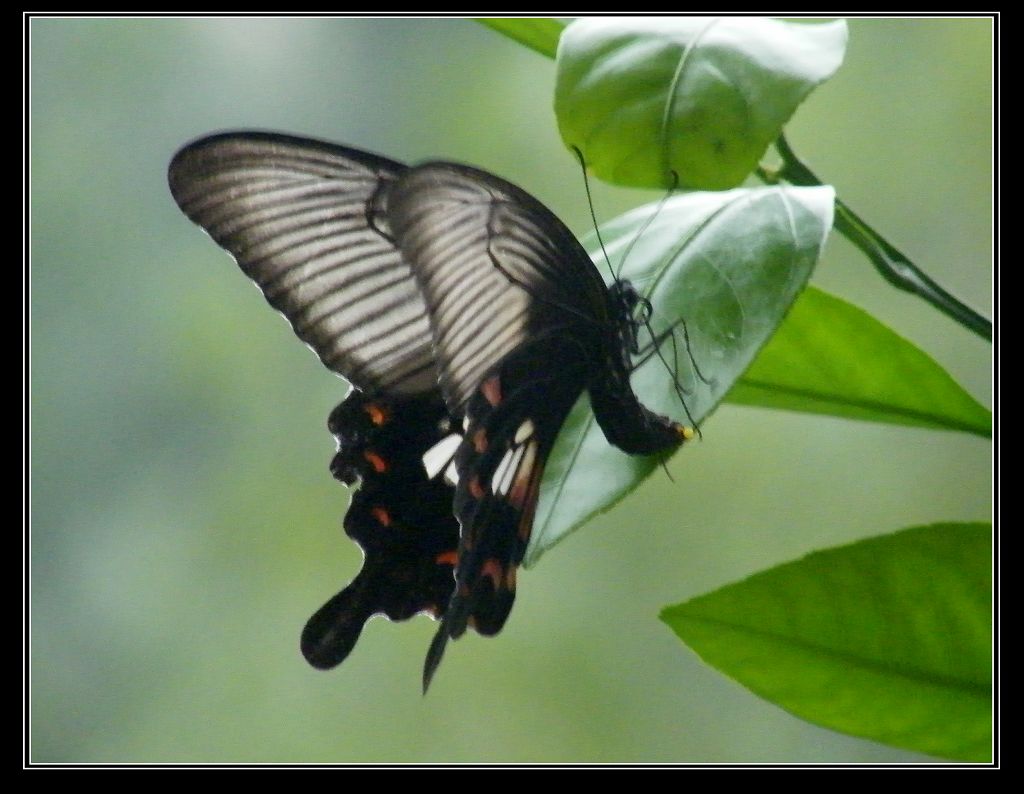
point(469, 320)
point(401, 520)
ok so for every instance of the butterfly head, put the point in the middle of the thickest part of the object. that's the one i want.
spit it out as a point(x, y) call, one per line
point(631, 311)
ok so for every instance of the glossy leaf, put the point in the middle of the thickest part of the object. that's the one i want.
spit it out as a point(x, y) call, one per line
point(830, 357)
point(702, 96)
point(888, 638)
point(728, 263)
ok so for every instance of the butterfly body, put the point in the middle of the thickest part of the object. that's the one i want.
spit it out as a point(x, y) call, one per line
point(468, 318)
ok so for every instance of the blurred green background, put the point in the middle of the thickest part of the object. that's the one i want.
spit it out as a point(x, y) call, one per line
point(184, 523)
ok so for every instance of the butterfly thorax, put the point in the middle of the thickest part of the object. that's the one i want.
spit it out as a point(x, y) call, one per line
point(629, 311)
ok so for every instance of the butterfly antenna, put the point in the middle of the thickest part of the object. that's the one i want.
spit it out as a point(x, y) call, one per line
point(650, 219)
point(656, 339)
point(593, 217)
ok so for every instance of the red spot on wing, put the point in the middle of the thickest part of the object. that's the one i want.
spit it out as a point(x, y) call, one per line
point(491, 389)
point(493, 570)
point(480, 440)
point(379, 464)
point(476, 490)
point(378, 414)
point(447, 558)
point(383, 516)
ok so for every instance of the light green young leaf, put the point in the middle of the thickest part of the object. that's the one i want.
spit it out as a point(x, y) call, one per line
point(728, 263)
point(830, 357)
point(701, 96)
point(888, 638)
point(540, 35)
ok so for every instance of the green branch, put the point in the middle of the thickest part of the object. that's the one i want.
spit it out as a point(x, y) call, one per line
point(889, 261)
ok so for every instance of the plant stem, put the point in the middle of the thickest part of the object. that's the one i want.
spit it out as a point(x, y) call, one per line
point(891, 263)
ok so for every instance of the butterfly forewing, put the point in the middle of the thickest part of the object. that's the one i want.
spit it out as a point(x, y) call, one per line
point(308, 222)
point(495, 268)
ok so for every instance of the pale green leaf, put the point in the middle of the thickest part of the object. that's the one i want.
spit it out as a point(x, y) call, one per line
point(701, 96)
point(730, 264)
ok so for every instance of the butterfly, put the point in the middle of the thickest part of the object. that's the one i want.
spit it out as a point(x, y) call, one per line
point(469, 320)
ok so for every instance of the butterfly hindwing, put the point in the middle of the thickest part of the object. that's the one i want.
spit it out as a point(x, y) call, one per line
point(511, 423)
point(402, 520)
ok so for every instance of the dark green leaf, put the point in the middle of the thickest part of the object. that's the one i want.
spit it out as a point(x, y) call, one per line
point(701, 96)
point(537, 34)
point(728, 263)
point(888, 638)
point(829, 357)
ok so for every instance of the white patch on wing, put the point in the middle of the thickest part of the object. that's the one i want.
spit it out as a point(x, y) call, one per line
point(499, 472)
point(441, 454)
point(524, 432)
point(451, 474)
point(506, 481)
point(520, 485)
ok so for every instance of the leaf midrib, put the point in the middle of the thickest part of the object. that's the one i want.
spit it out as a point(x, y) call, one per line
point(971, 688)
point(875, 405)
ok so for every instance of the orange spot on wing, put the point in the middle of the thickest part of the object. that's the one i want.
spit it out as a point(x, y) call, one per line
point(476, 490)
point(510, 577)
point(378, 413)
point(379, 464)
point(480, 440)
point(491, 389)
point(447, 558)
point(383, 516)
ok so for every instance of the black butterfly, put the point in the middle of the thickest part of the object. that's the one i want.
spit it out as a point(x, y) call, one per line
point(468, 318)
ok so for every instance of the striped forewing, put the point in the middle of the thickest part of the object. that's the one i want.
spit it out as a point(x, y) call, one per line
point(495, 268)
point(308, 222)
